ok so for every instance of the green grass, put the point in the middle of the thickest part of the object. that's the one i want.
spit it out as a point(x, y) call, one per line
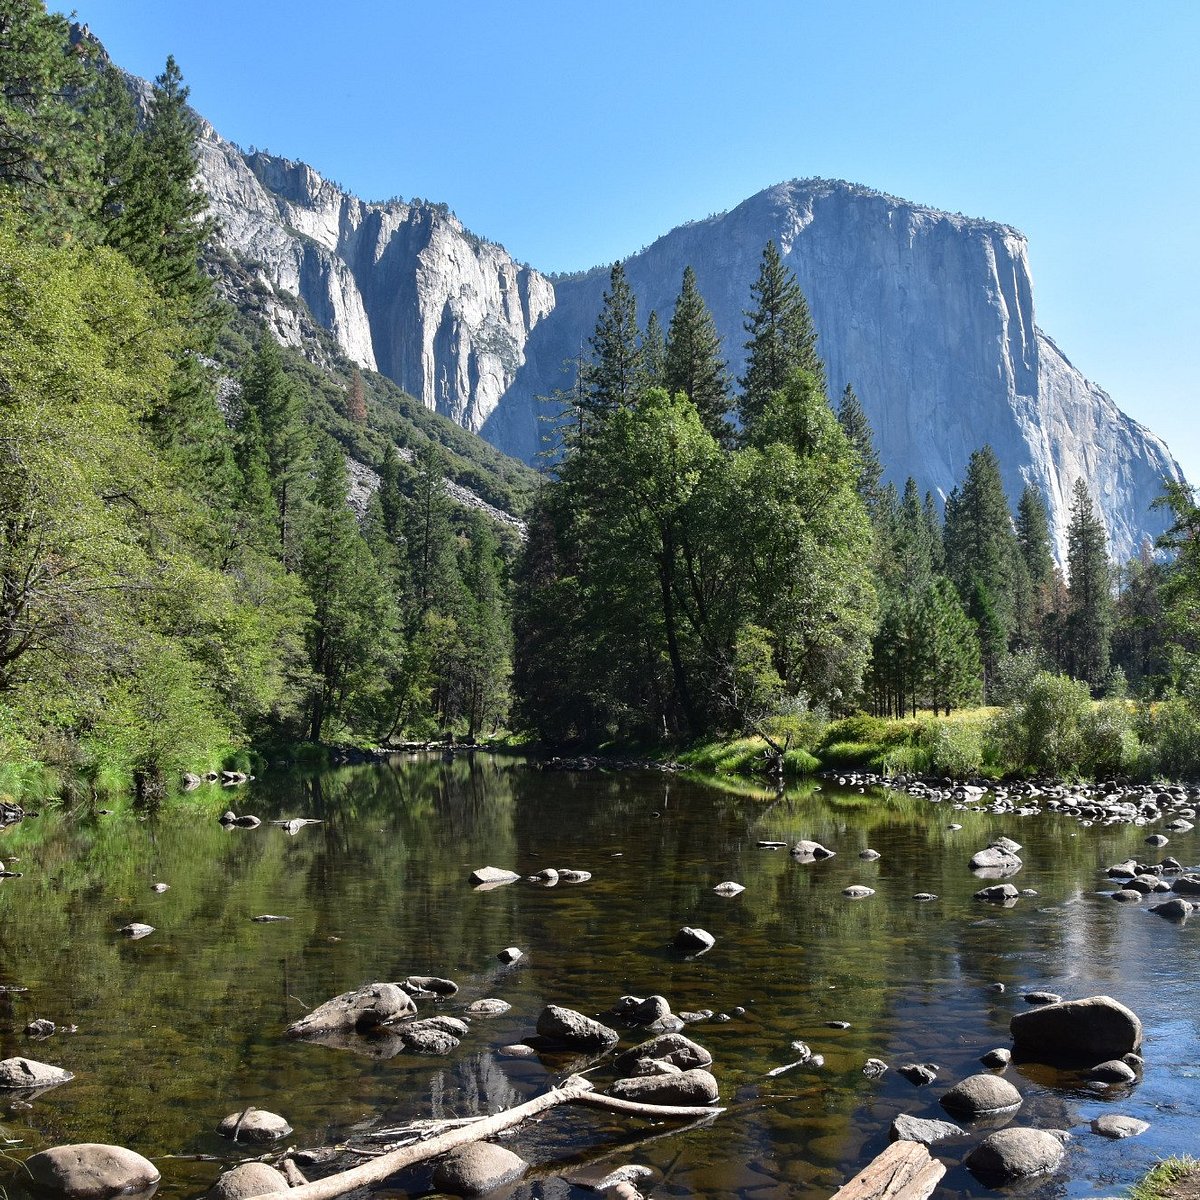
point(1162, 1181)
point(744, 756)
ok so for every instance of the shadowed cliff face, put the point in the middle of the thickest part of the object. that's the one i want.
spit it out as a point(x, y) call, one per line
point(929, 315)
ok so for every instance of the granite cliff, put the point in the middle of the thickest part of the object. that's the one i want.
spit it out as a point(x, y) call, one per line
point(930, 316)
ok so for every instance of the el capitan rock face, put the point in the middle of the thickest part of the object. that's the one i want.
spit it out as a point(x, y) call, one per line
point(928, 314)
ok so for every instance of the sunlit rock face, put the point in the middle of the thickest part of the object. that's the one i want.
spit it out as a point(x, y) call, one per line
point(929, 315)
point(403, 287)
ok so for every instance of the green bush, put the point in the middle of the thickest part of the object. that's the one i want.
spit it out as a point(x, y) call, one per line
point(1045, 731)
point(1170, 734)
point(953, 748)
point(1111, 746)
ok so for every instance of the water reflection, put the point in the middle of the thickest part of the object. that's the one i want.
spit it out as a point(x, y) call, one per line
point(178, 1029)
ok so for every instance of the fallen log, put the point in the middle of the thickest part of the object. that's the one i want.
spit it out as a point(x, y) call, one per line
point(904, 1171)
point(574, 1091)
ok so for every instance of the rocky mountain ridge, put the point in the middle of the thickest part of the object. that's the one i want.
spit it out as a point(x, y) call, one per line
point(928, 314)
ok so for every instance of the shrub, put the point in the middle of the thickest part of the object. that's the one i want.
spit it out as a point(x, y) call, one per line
point(953, 748)
point(1110, 745)
point(1170, 733)
point(1043, 732)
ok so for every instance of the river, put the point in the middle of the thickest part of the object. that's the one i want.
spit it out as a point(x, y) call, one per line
point(177, 1029)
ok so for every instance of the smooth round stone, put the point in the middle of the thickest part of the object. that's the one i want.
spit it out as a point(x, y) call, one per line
point(1111, 1125)
point(489, 1007)
point(1113, 1071)
point(257, 1125)
point(477, 1168)
point(92, 1171)
point(980, 1094)
point(1015, 1153)
point(24, 1073)
point(857, 891)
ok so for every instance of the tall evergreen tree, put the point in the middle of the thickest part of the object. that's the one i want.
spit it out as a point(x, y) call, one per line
point(1090, 600)
point(693, 361)
point(782, 337)
point(48, 136)
point(613, 376)
point(1035, 583)
point(858, 430)
point(654, 353)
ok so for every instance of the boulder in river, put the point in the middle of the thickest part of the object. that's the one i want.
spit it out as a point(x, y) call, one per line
point(137, 929)
point(1014, 1154)
point(364, 1008)
point(997, 861)
point(918, 1129)
point(488, 1007)
point(728, 888)
point(254, 1125)
point(25, 1073)
point(477, 1168)
point(430, 984)
point(694, 941)
point(918, 1074)
point(1088, 1031)
point(998, 1058)
point(857, 891)
point(672, 1048)
point(979, 1094)
point(1111, 1125)
point(510, 954)
point(92, 1171)
point(246, 1180)
point(1174, 909)
point(433, 1036)
point(1187, 885)
point(999, 893)
point(807, 851)
point(493, 875)
point(696, 1086)
point(1113, 1071)
point(567, 1027)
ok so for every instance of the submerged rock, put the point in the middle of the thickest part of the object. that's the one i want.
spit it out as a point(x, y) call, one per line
point(136, 929)
point(857, 891)
point(92, 1171)
point(918, 1129)
point(999, 893)
point(806, 851)
point(672, 1048)
point(696, 1086)
point(1111, 1125)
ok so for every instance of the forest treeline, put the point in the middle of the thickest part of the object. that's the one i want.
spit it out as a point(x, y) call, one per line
point(180, 573)
point(182, 576)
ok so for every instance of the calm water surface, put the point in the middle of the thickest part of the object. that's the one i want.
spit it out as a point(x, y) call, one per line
point(182, 1027)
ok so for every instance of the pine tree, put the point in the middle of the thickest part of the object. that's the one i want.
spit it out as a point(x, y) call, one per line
point(782, 337)
point(654, 353)
point(858, 430)
point(612, 378)
point(48, 136)
point(982, 554)
point(1090, 602)
point(356, 399)
point(277, 403)
point(693, 362)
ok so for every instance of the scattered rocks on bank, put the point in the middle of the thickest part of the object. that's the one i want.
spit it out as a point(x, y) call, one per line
point(477, 1168)
point(1015, 1153)
point(364, 1008)
point(1092, 1030)
point(92, 1171)
point(254, 1125)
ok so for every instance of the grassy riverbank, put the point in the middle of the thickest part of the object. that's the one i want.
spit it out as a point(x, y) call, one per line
point(1175, 1178)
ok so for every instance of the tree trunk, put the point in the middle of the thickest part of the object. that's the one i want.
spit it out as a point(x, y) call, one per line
point(904, 1171)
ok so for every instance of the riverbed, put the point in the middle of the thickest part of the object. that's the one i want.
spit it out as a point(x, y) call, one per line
point(179, 1028)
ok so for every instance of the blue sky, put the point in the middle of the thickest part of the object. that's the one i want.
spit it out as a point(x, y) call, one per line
point(576, 133)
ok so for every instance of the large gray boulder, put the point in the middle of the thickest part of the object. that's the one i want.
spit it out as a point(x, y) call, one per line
point(477, 1168)
point(691, 940)
point(364, 1008)
point(996, 858)
point(570, 1028)
point(436, 1035)
point(92, 1171)
point(493, 875)
point(248, 1179)
point(808, 851)
point(254, 1125)
point(1014, 1154)
point(1086, 1031)
point(671, 1048)
point(688, 1087)
point(26, 1073)
point(979, 1094)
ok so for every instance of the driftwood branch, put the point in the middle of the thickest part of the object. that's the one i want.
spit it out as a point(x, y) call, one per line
point(904, 1171)
point(574, 1091)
